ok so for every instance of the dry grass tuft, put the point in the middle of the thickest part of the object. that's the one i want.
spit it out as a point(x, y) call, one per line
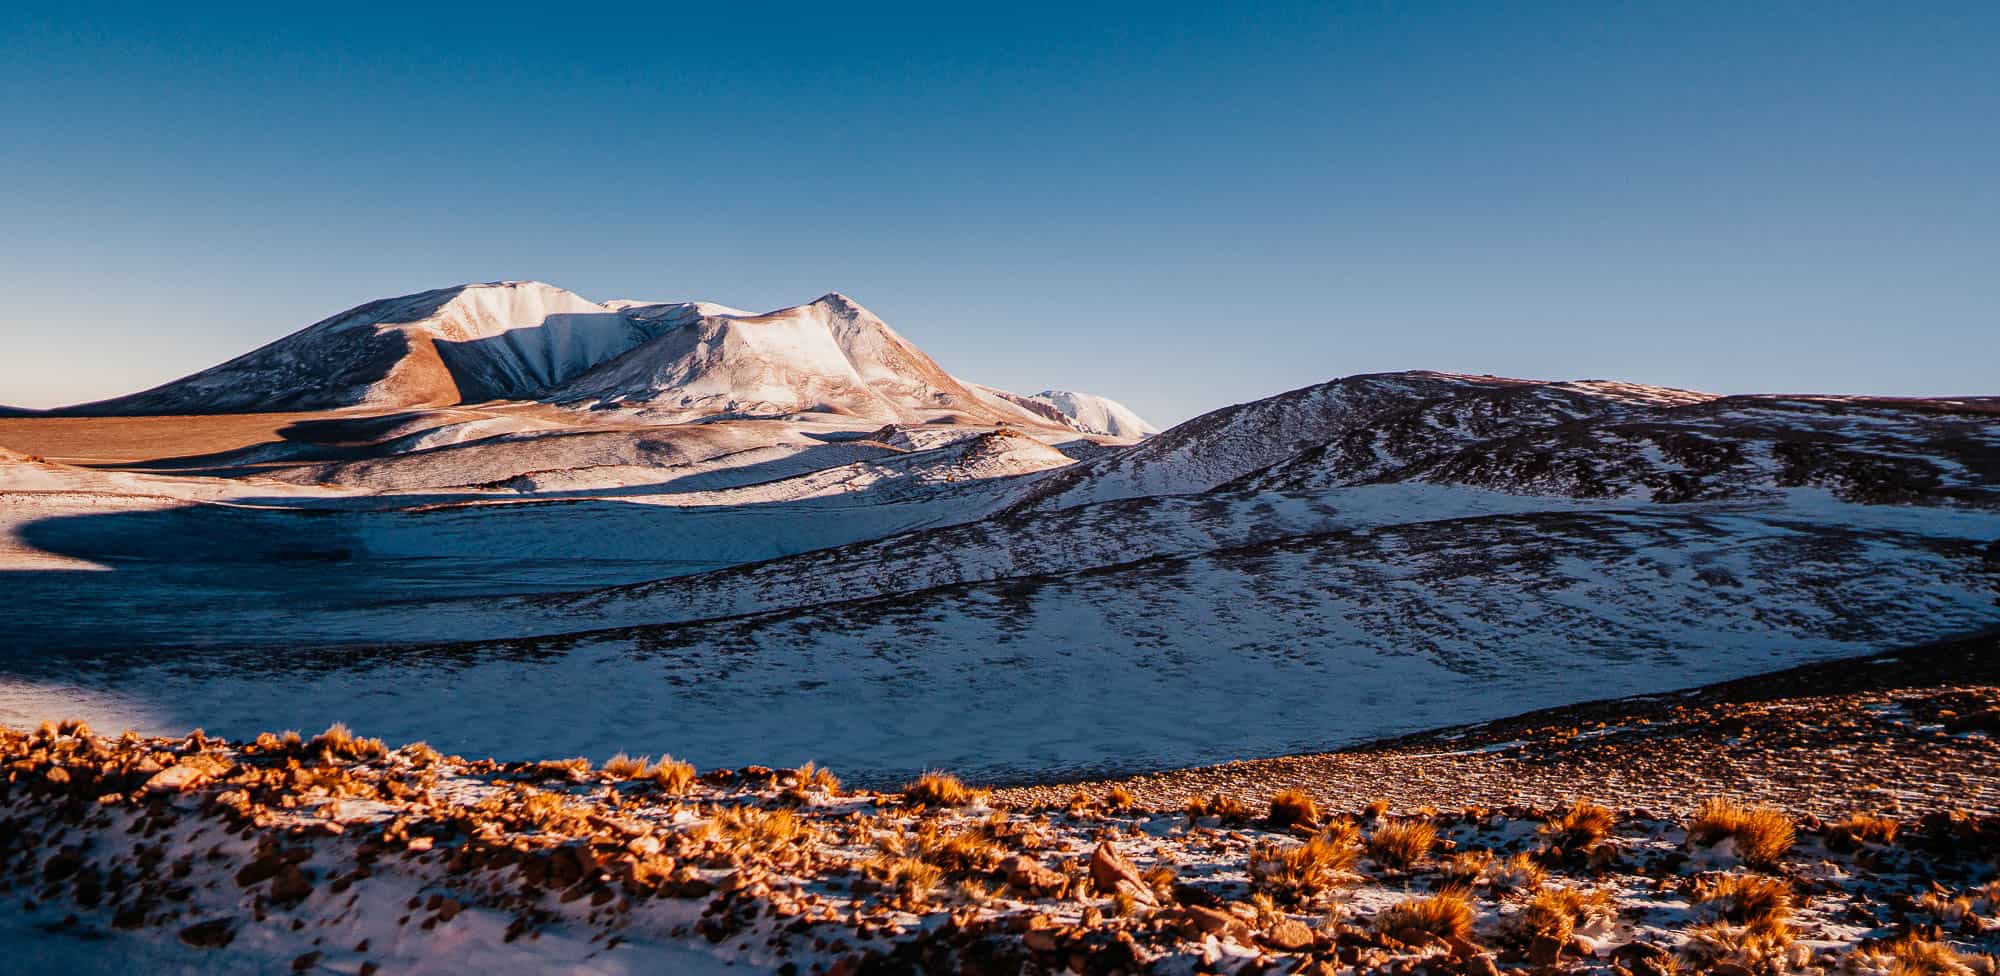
point(1297, 872)
point(288, 742)
point(1580, 827)
point(762, 829)
point(1401, 843)
point(1519, 873)
point(1124, 904)
point(1860, 828)
point(1757, 948)
point(963, 851)
point(1446, 914)
point(1910, 956)
point(1946, 909)
point(1294, 808)
point(1120, 799)
point(1761, 835)
point(1465, 867)
point(939, 789)
point(1222, 806)
point(1556, 912)
point(911, 878)
point(1751, 926)
point(1375, 810)
point(1745, 899)
point(671, 776)
point(622, 766)
point(421, 754)
point(813, 776)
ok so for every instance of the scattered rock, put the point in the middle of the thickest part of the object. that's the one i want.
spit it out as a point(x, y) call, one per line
point(212, 934)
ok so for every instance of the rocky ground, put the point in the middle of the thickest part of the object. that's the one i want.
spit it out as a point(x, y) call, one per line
point(1470, 851)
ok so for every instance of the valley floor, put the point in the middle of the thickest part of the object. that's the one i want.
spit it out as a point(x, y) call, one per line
point(337, 855)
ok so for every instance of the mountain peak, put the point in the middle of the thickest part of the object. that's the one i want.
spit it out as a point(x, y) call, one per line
point(526, 339)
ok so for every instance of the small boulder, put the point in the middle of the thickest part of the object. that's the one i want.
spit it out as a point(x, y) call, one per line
point(1111, 872)
point(290, 885)
point(1028, 875)
point(1288, 935)
point(212, 934)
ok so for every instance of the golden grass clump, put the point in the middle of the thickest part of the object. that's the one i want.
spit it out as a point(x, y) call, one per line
point(1299, 871)
point(1946, 909)
point(1910, 956)
point(1555, 912)
point(940, 789)
point(1752, 924)
point(1120, 798)
point(958, 851)
point(1761, 835)
point(1760, 948)
point(1293, 808)
point(1465, 867)
point(337, 740)
point(287, 742)
point(912, 878)
point(1375, 810)
point(671, 776)
point(421, 754)
point(1446, 914)
point(1580, 827)
point(622, 766)
point(1745, 899)
point(762, 828)
point(1859, 828)
point(1222, 806)
point(813, 776)
point(1518, 873)
point(1401, 843)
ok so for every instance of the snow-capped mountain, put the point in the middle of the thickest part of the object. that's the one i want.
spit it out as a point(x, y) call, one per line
point(454, 345)
point(526, 340)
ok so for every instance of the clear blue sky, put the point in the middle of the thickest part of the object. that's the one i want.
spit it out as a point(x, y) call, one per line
point(1177, 205)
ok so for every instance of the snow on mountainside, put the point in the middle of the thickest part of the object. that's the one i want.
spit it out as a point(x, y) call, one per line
point(829, 356)
point(518, 340)
point(1560, 439)
point(452, 345)
point(1581, 439)
point(1225, 444)
point(1094, 414)
point(1084, 412)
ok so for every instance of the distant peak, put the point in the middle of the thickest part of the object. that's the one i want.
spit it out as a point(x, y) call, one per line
point(838, 302)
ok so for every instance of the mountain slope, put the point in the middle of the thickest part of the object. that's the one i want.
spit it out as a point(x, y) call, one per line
point(828, 356)
point(452, 345)
point(673, 361)
point(1095, 414)
point(1226, 444)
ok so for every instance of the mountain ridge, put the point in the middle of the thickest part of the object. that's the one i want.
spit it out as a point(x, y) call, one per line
point(529, 340)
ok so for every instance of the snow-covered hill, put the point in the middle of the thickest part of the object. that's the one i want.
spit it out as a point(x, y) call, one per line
point(1095, 414)
point(452, 345)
